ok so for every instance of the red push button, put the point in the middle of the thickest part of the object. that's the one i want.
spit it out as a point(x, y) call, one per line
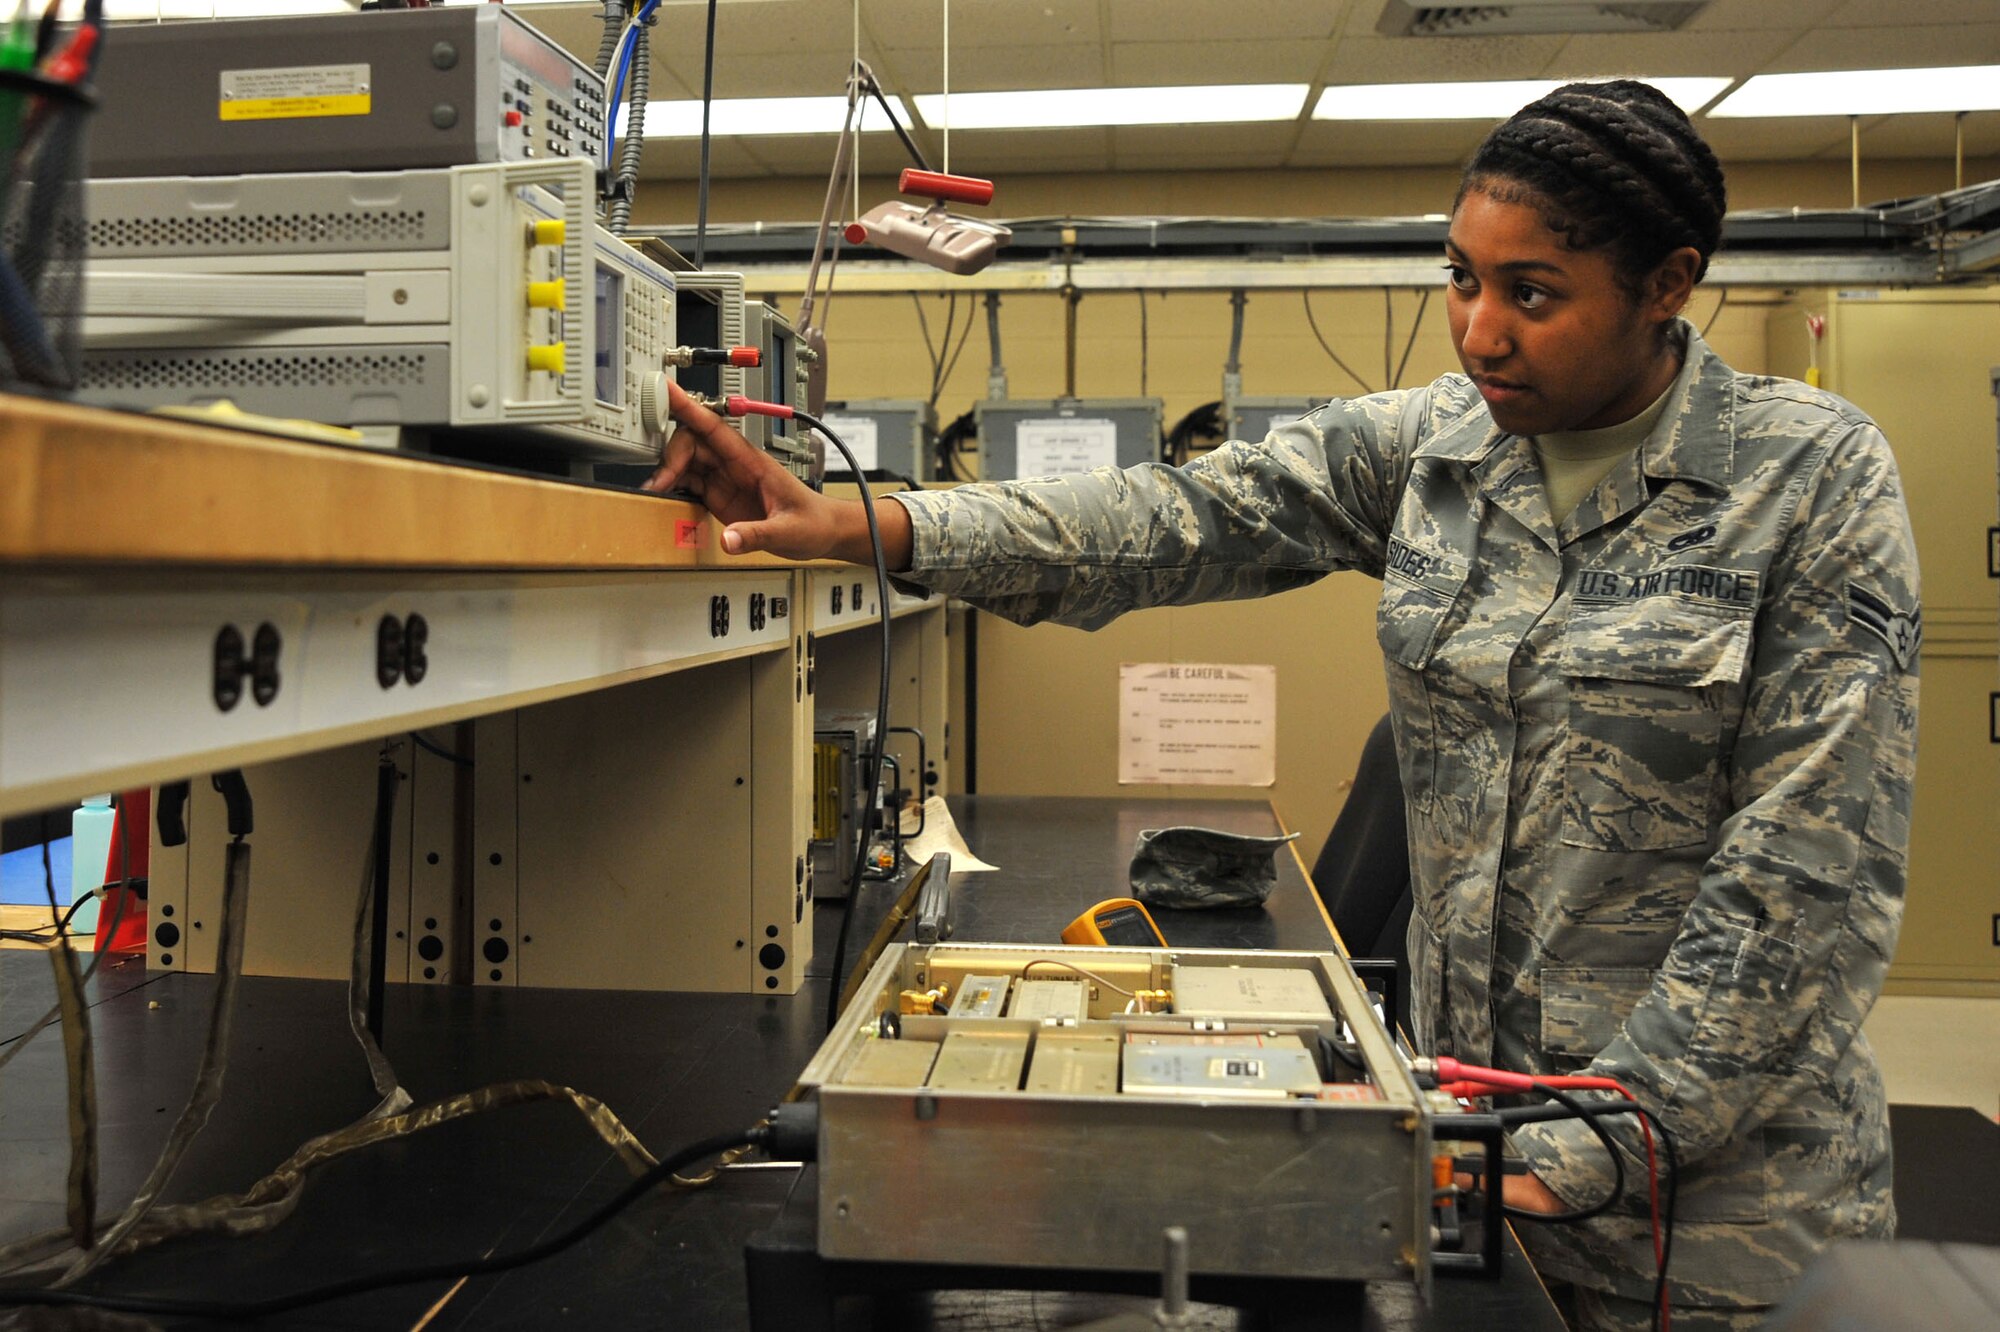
point(511, 119)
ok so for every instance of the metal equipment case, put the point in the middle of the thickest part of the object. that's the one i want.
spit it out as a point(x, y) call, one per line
point(344, 92)
point(482, 299)
point(890, 434)
point(1022, 437)
point(1334, 1185)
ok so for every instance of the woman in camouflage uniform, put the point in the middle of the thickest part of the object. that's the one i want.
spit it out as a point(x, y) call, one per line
point(1651, 631)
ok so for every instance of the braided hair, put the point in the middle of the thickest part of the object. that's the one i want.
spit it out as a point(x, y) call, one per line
point(1614, 166)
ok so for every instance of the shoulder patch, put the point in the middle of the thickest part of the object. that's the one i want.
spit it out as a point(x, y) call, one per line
point(1902, 631)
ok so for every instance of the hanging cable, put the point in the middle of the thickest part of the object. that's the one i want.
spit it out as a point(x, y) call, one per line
point(1715, 314)
point(1397, 380)
point(1388, 335)
point(632, 147)
point(996, 369)
point(1327, 347)
point(946, 52)
point(951, 363)
point(924, 325)
point(944, 344)
point(1143, 349)
point(707, 104)
point(607, 46)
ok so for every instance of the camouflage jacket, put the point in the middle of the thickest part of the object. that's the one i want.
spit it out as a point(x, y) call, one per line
point(1658, 759)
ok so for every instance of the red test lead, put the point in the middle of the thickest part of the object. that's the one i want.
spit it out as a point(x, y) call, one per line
point(738, 405)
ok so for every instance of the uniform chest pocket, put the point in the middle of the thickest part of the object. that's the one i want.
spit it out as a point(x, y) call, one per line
point(1417, 596)
point(1654, 689)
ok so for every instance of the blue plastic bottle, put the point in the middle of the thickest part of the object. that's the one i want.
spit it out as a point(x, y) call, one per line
point(90, 847)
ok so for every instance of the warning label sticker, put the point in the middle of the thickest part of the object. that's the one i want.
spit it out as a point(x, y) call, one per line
point(296, 92)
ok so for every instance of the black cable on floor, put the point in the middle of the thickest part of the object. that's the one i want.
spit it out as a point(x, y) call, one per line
point(402, 1276)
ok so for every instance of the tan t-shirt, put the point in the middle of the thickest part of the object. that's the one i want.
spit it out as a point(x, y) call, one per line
point(1574, 461)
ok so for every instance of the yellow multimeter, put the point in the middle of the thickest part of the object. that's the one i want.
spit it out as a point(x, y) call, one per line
point(1118, 922)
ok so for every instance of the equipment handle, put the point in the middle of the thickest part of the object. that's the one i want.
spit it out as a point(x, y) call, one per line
point(934, 902)
point(937, 185)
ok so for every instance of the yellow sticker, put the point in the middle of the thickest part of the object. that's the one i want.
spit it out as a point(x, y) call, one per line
point(296, 108)
point(294, 92)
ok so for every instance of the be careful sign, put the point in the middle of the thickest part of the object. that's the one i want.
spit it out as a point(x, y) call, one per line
point(1198, 725)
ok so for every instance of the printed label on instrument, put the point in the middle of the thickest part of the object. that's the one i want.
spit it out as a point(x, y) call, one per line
point(1062, 445)
point(297, 92)
point(859, 433)
point(687, 533)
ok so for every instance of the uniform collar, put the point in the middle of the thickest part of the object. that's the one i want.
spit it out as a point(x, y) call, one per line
point(1694, 439)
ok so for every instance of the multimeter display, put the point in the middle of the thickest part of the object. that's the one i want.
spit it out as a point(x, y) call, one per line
point(1127, 926)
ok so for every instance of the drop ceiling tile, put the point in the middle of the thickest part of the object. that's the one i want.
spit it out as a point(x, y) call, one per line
point(1377, 143)
point(1440, 59)
point(1005, 68)
point(1193, 160)
point(786, 74)
point(669, 165)
point(999, 165)
point(1204, 138)
point(1222, 20)
point(1789, 15)
point(1014, 145)
point(1662, 55)
point(1773, 140)
point(1200, 147)
point(810, 156)
point(1891, 48)
point(1876, 14)
point(756, 28)
point(1169, 63)
point(977, 24)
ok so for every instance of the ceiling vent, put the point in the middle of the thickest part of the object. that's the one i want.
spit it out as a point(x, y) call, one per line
point(1400, 18)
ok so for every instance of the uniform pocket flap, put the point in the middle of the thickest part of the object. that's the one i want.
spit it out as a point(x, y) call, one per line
point(1584, 1008)
point(1658, 641)
point(1418, 588)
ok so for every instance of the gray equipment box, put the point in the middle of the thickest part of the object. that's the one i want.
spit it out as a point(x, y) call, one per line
point(1252, 418)
point(381, 91)
point(1068, 1168)
point(889, 434)
point(1047, 437)
point(781, 379)
point(480, 299)
point(840, 801)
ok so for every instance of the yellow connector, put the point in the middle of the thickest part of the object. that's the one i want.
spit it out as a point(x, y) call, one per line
point(922, 1001)
point(546, 295)
point(550, 231)
point(547, 356)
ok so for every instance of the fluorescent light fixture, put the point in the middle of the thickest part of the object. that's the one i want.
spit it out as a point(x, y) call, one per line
point(1071, 108)
point(1478, 101)
point(742, 117)
point(1867, 92)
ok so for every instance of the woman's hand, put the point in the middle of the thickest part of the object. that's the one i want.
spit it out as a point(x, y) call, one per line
point(764, 506)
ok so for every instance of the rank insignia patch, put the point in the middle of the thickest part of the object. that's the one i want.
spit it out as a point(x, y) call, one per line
point(1902, 631)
